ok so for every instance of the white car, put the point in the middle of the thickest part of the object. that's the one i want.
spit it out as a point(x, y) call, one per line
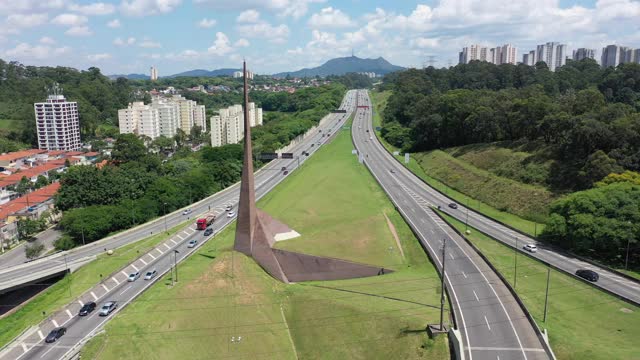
point(192, 243)
point(229, 207)
point(187, 212)
point(133, 276)
point(530, 248)
point(150, 274)
point(231, 214)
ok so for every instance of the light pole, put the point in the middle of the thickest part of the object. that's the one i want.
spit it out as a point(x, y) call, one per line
point(546, 295)
point(175, 262)
point(165, 217)
point(515, 265)
point(66, 265)
point(444, 259)
point(466, 221)
point(626, 260)
point(82, 230)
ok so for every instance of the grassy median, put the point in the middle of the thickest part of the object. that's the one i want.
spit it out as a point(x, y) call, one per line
point(73, 285)
point(583, 322)
point(222, 295)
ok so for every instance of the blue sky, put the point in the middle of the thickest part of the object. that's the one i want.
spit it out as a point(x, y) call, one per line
point(128, 36)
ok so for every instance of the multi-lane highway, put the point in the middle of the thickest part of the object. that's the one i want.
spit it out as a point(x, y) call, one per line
point(492, 324)
point(116, 287)
point(616, 284)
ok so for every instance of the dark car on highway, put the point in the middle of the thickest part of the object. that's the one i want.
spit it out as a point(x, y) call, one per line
point(87, 308)
point(55, 334)
point(453, 205)
point(208, 231)
point(588, 274)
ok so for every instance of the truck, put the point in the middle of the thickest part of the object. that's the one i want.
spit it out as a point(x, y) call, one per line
point(204, 222)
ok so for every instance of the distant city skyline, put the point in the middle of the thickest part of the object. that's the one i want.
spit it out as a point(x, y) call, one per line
point(130, 36)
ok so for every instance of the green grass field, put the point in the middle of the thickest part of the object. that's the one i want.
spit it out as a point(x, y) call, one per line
point(9, 124)
point(532, 228)
point(583, 322)
point(73, 285)
point(223, 295)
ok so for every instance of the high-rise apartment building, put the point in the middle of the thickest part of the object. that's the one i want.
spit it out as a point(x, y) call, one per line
point(529, 58)
point(154, 73)
point(610, 56)
point(168, 118)
point(473, 52)
point(553, 54)
point(508, 54)
point(583, 53)
point(238, 74)
point(228, 126)
point(200, 117)
point(139, 119)
point(57, 123)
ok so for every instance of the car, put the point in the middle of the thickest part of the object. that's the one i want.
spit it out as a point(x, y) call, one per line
point(453, 205)
point(367, 130)
point(230, 214)
point(229, 207)
point(150, 274)
point(55, 334)
point(107, 308)
point(187, 212)
point(87, 308)
point(312, 145)
point(588, 274)
point(370, 137)
point(285, 173)
point(530, 248)
point(208, 231)
point(284, 168)
point(192, 243)
point(133, 276)
point(392, 171)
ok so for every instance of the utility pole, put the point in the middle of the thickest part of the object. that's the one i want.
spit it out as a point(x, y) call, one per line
point(82, 230)
point(175, 262)
point(515, 265)
point(546, 295)
point(626, 261)
point(165, 217)
point(444, 259)
point(466, 221)
point(66, 265)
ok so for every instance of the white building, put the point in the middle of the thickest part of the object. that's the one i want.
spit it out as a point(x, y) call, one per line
point(154, 73)
point(200, 117)
point(139, 119)
point(552, 53)
point(508, 54)
point(57, 123)
point(168, 118)
point(473, 52)
point(238, 74)
point(228, 126)
point(529, 58)
point(583, 53)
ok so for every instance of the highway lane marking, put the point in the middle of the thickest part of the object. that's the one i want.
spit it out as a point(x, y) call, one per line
point(69, 313)
point(46, 352)
point(94, 296)
point(144, 262)
point(463, 274)
point(487, 321)
point(55, 323)
point(105, 287)
point(40, 334)
point(153, 257)
point(124, 273)
point(134, 267)
point(160, 251)
point(451, 256)
point(179, 237)
point(115, 280)
point(81, 303)
point(175, 242)
point(489, 348)
point(476, 295)
point(24, 347)
point(167, 246)
point(125, 290)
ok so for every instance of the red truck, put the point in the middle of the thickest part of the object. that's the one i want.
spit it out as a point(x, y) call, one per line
point(204, 222)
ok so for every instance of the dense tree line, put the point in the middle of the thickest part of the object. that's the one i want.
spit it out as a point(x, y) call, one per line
point(587, 115)
point(98, 97)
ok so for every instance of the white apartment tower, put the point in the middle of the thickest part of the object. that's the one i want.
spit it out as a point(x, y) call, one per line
point(553, 54)
point(139, 119)
point(168, 118)
point(583, 53)
point(200, 117)
point(530, 58)
point(154, 73)
point(508, 54)
point(473, 52)
point(228, 126)
point(57, 122)
point(238, 74)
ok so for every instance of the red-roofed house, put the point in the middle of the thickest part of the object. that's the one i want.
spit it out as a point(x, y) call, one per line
point(18, 158)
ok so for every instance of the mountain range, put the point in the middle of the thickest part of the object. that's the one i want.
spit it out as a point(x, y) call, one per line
point(337, 66)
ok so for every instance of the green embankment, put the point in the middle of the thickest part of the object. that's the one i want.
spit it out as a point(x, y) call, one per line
point(583, 322)
point(73, 285)
point(222, 295)
point(450, 183)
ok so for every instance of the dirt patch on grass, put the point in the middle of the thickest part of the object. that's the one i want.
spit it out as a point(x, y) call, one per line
point(392, 228)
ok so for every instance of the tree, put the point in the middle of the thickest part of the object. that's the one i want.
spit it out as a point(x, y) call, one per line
point(180, 138)
point(41, 182)
point(33, 250)
point(28, 227)
point(598, 166)
point(24, 186)
point(128, 147)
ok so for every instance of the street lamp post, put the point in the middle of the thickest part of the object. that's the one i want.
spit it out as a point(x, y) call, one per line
point(466, 221)
point(165, 217)
point(444, 259)
point(175, 262)
point(626, 260)
point(515, 265)
point(546, 295)
point(82, 230)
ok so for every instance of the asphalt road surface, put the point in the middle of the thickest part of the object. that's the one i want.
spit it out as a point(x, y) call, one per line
point(17, 256)
point(161, 258)
point(492, 324)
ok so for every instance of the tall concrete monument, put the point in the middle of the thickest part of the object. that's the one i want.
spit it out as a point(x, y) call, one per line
point(256, 231)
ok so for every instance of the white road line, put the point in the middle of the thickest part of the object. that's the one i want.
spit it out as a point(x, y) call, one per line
point(105, 287)
point(24, 347)
point(55, 323)
point(124, 273)
point(134, 267)
point(451, 256)
point(179, 237)
point(497, 357)
point(94, 296)
point(174, 242)
point(81, 303)
point(476, 295)
point(167, 246)
point(115, 280)
point(160, 251)
point(151, 255)
point(69, 313)
point(46, 352)
point(144, 262)
point(125, 290)
point(463, 274)
point(40, 334)
point(489, 348)
point(487, 321)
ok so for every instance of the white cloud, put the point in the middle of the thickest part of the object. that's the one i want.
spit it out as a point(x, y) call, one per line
point(422, 42)
point(98, 8)
point(99, 57)
point(207, 23)
point(330, 17)
point(24, 51)
point(248, 16)
point(69, 20)
point(26, 21)
point(262, 29)
point(79, 31)
point(119, 42)
point(148, 7)
point(293, 8)
point(297, 51)
point(150, 44)
point(241, 43)
point(47, 40)
point(29, 6)
point(115, 23)
point(221, 46)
